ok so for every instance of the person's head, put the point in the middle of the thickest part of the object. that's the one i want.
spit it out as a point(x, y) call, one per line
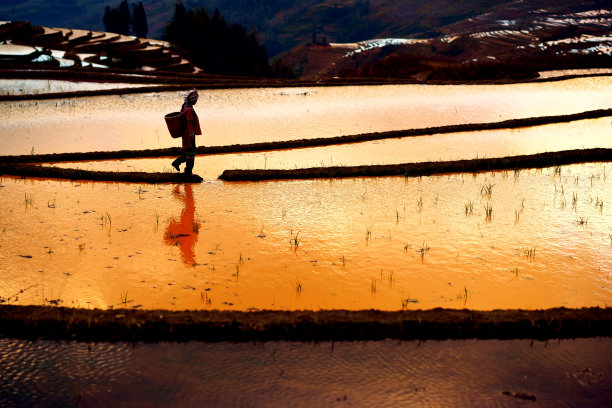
point(192, 97)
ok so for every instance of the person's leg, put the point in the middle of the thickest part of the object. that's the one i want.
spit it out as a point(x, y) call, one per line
point(178, 161)
point(189, 159)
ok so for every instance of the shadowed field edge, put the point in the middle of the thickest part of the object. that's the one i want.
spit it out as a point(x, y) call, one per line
point(60, 323)
point(539, 160)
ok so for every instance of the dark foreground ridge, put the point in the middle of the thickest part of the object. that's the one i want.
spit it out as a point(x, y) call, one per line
point(539, 160)
point(60, 323)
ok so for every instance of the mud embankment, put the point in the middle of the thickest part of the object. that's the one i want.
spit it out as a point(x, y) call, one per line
point(59, 323)
point(47, 172)
point(539, 160)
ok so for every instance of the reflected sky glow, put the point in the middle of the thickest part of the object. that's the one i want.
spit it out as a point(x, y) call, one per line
point(361, 243)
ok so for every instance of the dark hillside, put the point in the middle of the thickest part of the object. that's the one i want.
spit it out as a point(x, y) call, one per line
point(285, 24)
point(411, 39)
point(282, 24)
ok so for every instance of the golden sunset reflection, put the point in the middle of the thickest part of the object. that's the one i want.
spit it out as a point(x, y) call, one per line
point(121, 122)
point(526, 239)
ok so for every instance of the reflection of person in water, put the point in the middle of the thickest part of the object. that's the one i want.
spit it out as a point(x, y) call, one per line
point(184, 233)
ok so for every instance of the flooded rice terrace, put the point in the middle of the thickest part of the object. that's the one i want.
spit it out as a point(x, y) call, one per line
point(524, 239)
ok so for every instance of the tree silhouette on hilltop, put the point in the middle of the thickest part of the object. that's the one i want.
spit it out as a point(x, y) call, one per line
point(215, 46)
point(120, 20)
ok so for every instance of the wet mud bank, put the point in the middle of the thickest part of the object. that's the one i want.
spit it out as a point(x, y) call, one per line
point(539, 160)
point(45, 172)
point(59, 323)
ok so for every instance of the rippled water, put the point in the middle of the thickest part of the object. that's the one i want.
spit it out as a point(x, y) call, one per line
point(359, 374)
point(357, 243)
point(256, 115)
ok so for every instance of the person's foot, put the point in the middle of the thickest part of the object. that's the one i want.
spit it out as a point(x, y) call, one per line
point(176, 166)
point(193, 178)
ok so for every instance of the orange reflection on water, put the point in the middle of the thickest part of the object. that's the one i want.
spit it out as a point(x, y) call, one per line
point(184, 232)
point(382, 243)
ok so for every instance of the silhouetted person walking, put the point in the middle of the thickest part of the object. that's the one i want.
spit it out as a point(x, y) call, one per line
point(192, 128)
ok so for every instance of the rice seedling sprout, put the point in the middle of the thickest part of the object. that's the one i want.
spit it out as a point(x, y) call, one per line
point(530, 254)
point(368, 233)
point(486, 189)
point(469, 208)
point(297, 286)
point(488, 211)
point(407, 301)
point(424, 248)
point(124, 298)
point(343, 260)
point(204, 298)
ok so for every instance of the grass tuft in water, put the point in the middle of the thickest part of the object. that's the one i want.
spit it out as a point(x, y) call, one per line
point(488, 212)
point(204, 298)
point(343, 259)
point(294, 241)
point(599, 204)
point(486, 190)
point(469, 208)
point(124, 298)
point(297, 286)
point(530, 253)
point(407, 301)
point(423, 250)
point(368, 233)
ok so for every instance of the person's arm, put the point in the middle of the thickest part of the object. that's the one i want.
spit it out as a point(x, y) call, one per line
point(191, 129)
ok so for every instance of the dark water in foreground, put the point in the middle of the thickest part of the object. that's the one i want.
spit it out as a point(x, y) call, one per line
point(358, 374)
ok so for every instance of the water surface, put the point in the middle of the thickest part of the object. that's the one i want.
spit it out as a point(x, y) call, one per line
point(257, 115)
point(360, 243)
point(359, 374)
